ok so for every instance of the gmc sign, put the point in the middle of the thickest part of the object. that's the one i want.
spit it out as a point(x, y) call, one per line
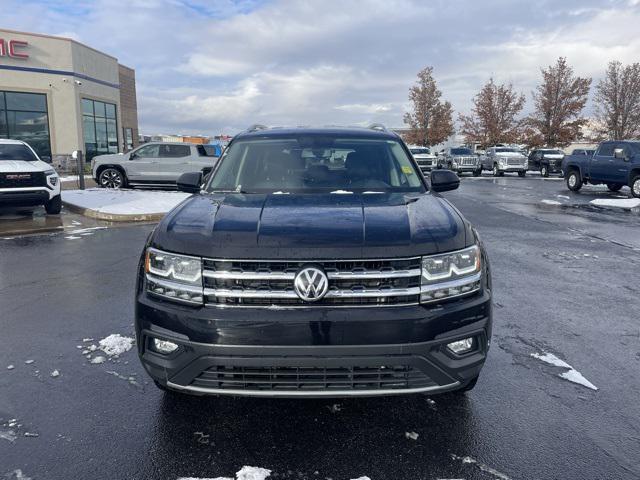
point(11, 48)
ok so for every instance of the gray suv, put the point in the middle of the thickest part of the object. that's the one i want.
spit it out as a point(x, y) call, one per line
point(461, 160)
point(152, 164)
point(501, 160)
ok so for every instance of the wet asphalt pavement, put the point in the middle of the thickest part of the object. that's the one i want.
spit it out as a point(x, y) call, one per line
point(566, 281)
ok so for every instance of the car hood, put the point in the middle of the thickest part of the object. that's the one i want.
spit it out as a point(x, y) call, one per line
point(312, 226)
point(11, 166)
point(424, 156)
point(509, 154)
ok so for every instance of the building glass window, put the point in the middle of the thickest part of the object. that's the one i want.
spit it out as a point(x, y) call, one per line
point(100, 128)
point(24, 116)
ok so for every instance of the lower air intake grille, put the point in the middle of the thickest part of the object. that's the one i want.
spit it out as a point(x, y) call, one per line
point(394, 377)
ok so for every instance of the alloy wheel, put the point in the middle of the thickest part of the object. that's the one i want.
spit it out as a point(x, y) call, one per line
point(111, 178)
point(636, 188)
point(573, 180)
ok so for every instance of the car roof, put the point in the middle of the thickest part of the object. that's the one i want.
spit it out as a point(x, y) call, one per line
point(357, 132)
point(11, 141)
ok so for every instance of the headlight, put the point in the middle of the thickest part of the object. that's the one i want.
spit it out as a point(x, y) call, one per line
point(51, 171)
point(176, 277)
point(451, 274)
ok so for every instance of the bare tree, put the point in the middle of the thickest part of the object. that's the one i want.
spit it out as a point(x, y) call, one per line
point(431, 121)
point(559, 101)
point(494, 115)
point(617, 101)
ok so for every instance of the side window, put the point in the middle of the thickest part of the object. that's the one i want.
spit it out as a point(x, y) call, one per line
point(148, 151)
point(174, 151)
point(606, 149)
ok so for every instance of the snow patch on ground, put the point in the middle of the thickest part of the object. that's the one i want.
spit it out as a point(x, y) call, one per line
point(74, 178)
point(485, 468)
point(617, 203)
point(98, 360)
point(550, 202)
point(115, 344)
point(55, 374)
point(18, 475)
point(124, 202)
point(245, 473)
point(411, 435)
point(572, 374)
point(9, 435)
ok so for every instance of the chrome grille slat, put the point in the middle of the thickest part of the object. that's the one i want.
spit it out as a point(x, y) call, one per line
point(351, 282)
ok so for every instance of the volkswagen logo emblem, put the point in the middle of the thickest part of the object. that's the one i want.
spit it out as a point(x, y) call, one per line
point(311, 284)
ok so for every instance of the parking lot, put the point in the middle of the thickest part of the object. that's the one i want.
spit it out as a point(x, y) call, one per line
point(566, 279)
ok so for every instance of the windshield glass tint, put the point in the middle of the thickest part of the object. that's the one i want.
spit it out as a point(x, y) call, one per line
point(552, 152)
point(420, 151)
point(315, 164)
point(461, 151)
point(16, 152)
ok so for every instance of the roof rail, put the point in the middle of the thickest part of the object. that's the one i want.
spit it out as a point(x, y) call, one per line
point(378, 126)
point(255, 127)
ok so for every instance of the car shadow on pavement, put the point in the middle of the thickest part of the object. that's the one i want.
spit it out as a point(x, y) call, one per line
point(338, 438)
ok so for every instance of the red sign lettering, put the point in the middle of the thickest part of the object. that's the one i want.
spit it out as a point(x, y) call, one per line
point(12, 48)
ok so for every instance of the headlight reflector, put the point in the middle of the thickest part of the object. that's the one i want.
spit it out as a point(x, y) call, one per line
point(450, 274)
point(173, 276)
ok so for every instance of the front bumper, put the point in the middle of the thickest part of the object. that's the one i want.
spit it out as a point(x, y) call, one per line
point(315, 352)
point(512, 168)
point(26, 197)
point(466, 168)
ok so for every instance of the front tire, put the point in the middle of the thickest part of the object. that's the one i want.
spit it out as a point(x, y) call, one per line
point(496, 171)
point(574, 181)
point(614, 187)
point(522, 174)
point(54, 206)
point(478, 172)
point(544, 171)
point(112, 178)
point(635, 186)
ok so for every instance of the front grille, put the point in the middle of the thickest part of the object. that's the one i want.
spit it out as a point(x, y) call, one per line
point(22, 180)
point(351, 282)
point(301, 378)
point(424, 162)
point(515, 161)
point(467, 161)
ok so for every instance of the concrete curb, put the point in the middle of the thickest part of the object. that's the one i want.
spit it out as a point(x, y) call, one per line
point(114, 217)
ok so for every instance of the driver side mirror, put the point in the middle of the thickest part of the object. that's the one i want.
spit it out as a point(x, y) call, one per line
point(190, 182)
point(132, 155)
point(619, 153)
point(444, 180)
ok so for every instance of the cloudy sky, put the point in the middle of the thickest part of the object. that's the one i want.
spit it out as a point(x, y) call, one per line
point(206, 67)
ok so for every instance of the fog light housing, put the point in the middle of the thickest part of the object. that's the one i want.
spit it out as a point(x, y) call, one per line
point(164, 346)
point(460, 347)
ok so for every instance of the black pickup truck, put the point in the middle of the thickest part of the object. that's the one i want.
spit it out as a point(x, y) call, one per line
point(614, 163)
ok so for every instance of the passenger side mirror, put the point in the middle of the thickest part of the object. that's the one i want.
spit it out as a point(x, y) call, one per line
point(619, 153)
point(132, 155)
point(444, 180)
point(190, 182)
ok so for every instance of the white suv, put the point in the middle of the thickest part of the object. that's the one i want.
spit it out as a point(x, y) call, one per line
point(25, 180)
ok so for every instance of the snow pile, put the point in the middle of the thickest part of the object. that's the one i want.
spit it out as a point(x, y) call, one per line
point(115, 344)
point(626, 203)
point(551, 202)
point(245, 473)
point(124, 202)
point(572, 374)
point(411, 435)
point(55, 373)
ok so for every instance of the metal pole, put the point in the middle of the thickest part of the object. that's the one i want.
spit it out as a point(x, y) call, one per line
point(80, 159)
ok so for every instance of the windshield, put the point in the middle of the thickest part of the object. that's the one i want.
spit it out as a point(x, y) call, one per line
point(552, 152)
point(308, 164)
point(16, 151)
point(461, 151)
point(420, 151)
point(506, 150)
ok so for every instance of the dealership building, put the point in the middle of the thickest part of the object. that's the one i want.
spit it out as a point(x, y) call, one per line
point(59, 96)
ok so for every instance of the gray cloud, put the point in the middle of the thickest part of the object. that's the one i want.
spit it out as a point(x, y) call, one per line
point(205, 67)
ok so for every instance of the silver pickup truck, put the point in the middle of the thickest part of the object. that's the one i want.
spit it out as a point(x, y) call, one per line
point(152, 164)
